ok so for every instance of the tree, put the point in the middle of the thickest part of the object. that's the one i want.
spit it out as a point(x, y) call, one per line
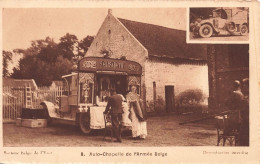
point(45, 60)
point(48, 53)
point(68, 46)
point(41, 62)
point(7, 58)
point(84, 44)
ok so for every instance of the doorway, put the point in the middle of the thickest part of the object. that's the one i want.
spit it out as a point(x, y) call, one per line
point(120, 84)
point(107, 83)
point(169, 98)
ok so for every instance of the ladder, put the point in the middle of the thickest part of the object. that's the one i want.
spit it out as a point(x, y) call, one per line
point(28, 97)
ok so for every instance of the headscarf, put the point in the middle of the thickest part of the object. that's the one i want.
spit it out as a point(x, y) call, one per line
point(135, 102)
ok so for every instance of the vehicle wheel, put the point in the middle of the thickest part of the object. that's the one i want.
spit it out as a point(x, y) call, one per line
point(231, 27)
point(84, 122)
point(205, 31)
point(243, 30)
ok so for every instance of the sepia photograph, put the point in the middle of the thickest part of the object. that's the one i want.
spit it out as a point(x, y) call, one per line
point(118, 77)
point(219, 24)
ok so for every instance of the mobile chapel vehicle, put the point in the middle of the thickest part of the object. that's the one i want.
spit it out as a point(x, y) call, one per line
point(88, 89)
point(224, 21)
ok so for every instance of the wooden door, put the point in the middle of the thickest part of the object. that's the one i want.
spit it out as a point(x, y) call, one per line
point(169, 98)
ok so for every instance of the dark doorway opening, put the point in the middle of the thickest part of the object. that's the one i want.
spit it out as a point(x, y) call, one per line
point(169, 98)
point(107, 83)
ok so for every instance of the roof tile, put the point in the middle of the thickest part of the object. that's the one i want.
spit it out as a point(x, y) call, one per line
point(165, 42)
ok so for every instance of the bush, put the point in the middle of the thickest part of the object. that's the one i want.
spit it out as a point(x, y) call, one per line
point(191, 100)
point(190, 97)
point(159, 105)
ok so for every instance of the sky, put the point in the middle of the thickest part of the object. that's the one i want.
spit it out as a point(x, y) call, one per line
point(21, 26)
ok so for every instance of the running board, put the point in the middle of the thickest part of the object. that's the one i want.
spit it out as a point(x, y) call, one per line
point(63, 121)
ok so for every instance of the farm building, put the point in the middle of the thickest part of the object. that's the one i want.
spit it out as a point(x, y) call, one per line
point(17, 93)
point(170, 66)
point(20, 83)
point(24, 93)
point(226, 63)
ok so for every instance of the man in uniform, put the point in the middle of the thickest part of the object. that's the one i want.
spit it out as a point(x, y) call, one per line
point(114, 106)
point(244, 126)
point(234, 104)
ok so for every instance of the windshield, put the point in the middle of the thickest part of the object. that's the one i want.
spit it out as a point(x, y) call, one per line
point(220, 14)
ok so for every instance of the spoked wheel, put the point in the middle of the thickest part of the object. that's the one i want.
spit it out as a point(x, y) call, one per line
point(205, 31)
point(243, 30)
point(84, 122)
point(231, 27)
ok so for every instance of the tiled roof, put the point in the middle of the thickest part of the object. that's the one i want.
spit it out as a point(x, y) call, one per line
point(165, 42)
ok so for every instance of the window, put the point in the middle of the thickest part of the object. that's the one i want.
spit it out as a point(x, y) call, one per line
point(105, 86)
point(107, 83)
point(216, 14)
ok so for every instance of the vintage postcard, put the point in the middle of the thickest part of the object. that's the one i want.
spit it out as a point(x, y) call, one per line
point(130, 82)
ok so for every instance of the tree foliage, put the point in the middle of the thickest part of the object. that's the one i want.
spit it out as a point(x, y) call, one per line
point(68, 46)
point(84, 44)
point(7, 58)
point(45, 60)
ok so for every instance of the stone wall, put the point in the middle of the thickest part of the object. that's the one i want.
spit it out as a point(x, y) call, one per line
point(117, 41)
point(181, 76)
point(114, 38)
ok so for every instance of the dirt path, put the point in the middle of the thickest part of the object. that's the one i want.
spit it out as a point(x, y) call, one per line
point(162, 131)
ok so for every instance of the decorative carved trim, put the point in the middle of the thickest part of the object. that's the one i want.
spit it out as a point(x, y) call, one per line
point(134, 80)
point(86, 77)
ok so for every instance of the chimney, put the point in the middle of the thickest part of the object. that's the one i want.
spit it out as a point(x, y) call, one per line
point(109, 11)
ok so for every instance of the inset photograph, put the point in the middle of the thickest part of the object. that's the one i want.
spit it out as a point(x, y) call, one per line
point(219, 24)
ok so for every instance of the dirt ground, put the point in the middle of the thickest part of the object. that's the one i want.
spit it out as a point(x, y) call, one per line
point(162, 131)
point(221, 38)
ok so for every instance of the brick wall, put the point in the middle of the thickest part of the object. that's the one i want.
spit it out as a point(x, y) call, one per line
point(227, 63)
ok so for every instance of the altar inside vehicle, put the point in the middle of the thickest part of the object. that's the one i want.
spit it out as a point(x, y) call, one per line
point(86, 91)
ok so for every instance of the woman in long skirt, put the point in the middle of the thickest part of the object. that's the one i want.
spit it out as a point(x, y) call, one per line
point(139, 130)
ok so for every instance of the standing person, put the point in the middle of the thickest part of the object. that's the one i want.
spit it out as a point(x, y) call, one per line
point(125, 116)
point(139, 130)
point(244, 126)
point(234, 104)
point(114, 106)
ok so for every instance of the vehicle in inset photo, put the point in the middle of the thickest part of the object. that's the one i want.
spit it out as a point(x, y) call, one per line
point(219, 23)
